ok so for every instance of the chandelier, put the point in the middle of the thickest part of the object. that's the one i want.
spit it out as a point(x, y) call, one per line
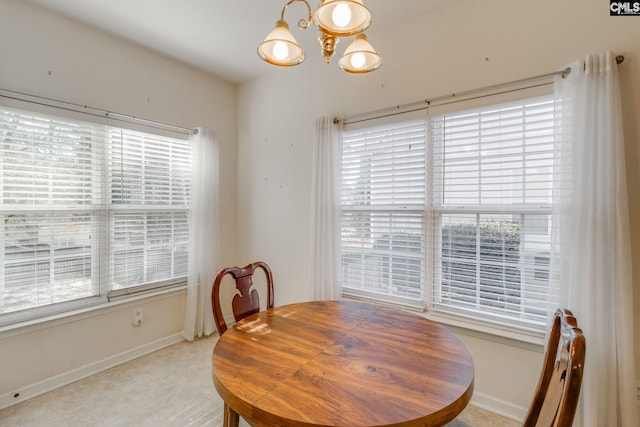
point(334, 19)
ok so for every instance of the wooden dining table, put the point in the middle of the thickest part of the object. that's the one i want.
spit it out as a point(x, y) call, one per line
point(341, 363)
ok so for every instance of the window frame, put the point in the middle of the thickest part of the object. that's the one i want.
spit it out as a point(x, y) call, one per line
point(102, 213)
point(381, 201)
point(433, 212)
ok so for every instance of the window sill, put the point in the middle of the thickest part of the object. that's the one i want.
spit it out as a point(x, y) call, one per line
point(31, 325)
point(526, 340)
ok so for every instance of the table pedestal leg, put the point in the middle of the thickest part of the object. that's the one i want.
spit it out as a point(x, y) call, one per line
point(231, 418)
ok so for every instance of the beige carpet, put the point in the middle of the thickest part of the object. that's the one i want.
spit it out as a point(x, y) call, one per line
point(171, 387)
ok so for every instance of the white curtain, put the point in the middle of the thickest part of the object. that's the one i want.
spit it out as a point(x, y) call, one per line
point(591, 233)
point(325, 205)
point(203, 232)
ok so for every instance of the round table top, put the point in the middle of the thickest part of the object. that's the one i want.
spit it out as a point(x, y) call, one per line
point(338, 363)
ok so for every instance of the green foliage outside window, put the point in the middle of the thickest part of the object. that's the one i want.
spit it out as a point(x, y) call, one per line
point(482, 257)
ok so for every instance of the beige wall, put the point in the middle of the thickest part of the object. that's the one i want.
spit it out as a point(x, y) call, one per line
point(35, 358)
point(466, 45)
point(47, 55)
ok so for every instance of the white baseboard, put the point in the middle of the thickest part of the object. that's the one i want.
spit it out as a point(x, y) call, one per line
point(68, 377)
point(497, 406)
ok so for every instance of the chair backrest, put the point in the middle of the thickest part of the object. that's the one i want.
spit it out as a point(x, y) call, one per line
point(246, 301)
point(556, 398)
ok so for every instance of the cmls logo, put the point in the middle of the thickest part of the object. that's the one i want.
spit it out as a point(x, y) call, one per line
point(620, 8)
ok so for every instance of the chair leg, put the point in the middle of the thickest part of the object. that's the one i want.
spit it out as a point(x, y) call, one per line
point(231, 418)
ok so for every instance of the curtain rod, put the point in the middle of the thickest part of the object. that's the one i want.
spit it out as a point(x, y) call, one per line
point(93, 111)
point(410, 107)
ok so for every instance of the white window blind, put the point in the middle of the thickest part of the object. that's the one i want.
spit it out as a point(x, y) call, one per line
point(149, 183)
point(453, 213)
point(493, 170)
point(383, 203)
point(86, 209)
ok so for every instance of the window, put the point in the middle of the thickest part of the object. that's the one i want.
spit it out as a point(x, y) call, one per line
point(87, 211)
point(149, 187)
point(492, 211)
point(383, 212)
point(469, 235)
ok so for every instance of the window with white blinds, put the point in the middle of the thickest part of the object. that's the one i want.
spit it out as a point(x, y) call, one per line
point(149, 186)
point(453, 212)
point(383, 212)
point(493, 174)
point(87, 210)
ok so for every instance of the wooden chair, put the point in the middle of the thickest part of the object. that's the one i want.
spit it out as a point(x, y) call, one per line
point(245, 303)
point(556, 398)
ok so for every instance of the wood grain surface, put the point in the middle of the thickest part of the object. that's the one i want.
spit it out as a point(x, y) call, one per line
point(337, 363)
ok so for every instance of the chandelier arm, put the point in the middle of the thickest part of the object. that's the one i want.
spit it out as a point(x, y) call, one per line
point(303, 24)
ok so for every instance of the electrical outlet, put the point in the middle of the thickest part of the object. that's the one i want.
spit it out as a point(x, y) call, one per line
point(638, 392)
point(138, 317)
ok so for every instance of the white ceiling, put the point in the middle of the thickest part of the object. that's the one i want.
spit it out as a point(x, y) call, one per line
point(220, 36)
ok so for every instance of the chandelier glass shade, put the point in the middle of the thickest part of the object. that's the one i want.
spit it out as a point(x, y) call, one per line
point(280, 47)
point(334, 19)
point(360, 57)
point(342, 18)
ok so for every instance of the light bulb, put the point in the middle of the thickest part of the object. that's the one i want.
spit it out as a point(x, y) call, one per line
point(341, 15)
point(357, 60)
point(280, 50)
